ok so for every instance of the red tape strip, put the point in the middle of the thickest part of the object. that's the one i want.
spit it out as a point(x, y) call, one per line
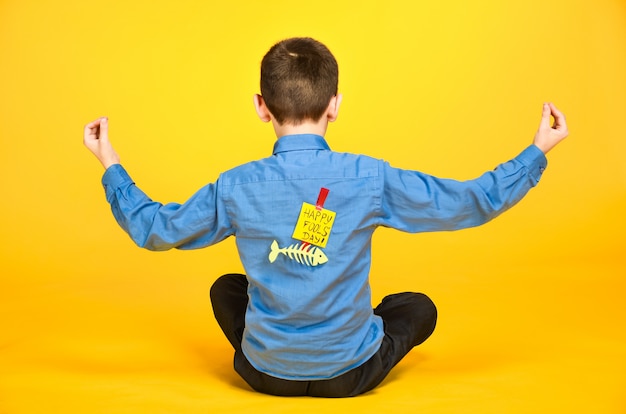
point(321, 199)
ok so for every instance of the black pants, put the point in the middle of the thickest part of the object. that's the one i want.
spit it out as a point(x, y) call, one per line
point(409, 319)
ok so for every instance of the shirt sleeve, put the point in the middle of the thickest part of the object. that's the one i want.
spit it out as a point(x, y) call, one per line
point(415, 202)
point(199, 222)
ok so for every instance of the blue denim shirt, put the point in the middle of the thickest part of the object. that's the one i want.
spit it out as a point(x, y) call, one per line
point(309, 314)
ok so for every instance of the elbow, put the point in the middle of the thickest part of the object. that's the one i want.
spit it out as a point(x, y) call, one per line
point(152, 243)
point(482, 210)
point(471, 219)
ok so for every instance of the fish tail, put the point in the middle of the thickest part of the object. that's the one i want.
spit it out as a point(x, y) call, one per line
point(274, 251)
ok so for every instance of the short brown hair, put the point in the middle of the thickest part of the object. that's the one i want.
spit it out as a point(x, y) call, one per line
point(299, 76)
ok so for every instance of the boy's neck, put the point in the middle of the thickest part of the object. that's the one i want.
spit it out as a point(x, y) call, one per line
point(307, 127)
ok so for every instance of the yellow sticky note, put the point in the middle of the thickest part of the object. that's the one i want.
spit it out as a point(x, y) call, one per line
point(314, 225)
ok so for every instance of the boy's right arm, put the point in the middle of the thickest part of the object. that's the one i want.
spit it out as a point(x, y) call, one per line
point(198, 222)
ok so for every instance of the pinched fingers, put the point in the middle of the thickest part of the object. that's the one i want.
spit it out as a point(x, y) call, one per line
point(96, 130)
point(92, 130)
point(559, 119)
point(548, 136)
point(96, 139)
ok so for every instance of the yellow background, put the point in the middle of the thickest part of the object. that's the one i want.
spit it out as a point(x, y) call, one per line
point(532, 309)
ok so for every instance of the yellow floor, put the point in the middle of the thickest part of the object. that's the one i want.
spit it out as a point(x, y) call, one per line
point(538, 337)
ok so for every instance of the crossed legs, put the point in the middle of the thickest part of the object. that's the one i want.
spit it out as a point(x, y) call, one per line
point(409, 319)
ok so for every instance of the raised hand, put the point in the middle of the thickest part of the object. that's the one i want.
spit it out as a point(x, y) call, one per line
point(96, 139)
point(547, 137)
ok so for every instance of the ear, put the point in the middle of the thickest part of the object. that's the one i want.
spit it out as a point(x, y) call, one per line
point(333, 108)
point(261, 108)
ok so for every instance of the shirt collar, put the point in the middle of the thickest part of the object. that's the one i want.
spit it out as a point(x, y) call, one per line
point(300, 142)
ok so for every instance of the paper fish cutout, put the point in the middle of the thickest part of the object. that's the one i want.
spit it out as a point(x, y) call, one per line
point(302, 253)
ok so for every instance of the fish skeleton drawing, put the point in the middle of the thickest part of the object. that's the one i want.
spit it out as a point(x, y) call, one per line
point(302, 253)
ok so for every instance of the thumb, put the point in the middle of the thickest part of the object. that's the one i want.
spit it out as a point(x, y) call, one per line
point(104, 129)
point(545, 116)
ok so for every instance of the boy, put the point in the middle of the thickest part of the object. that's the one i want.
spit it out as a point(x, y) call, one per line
point(301, 320)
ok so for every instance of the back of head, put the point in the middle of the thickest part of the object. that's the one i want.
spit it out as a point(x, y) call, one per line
point(299, 76)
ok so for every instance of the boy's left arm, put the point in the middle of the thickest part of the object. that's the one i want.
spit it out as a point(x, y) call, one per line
point(416, 202)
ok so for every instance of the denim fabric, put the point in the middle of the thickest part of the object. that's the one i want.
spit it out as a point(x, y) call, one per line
point(310, 316)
